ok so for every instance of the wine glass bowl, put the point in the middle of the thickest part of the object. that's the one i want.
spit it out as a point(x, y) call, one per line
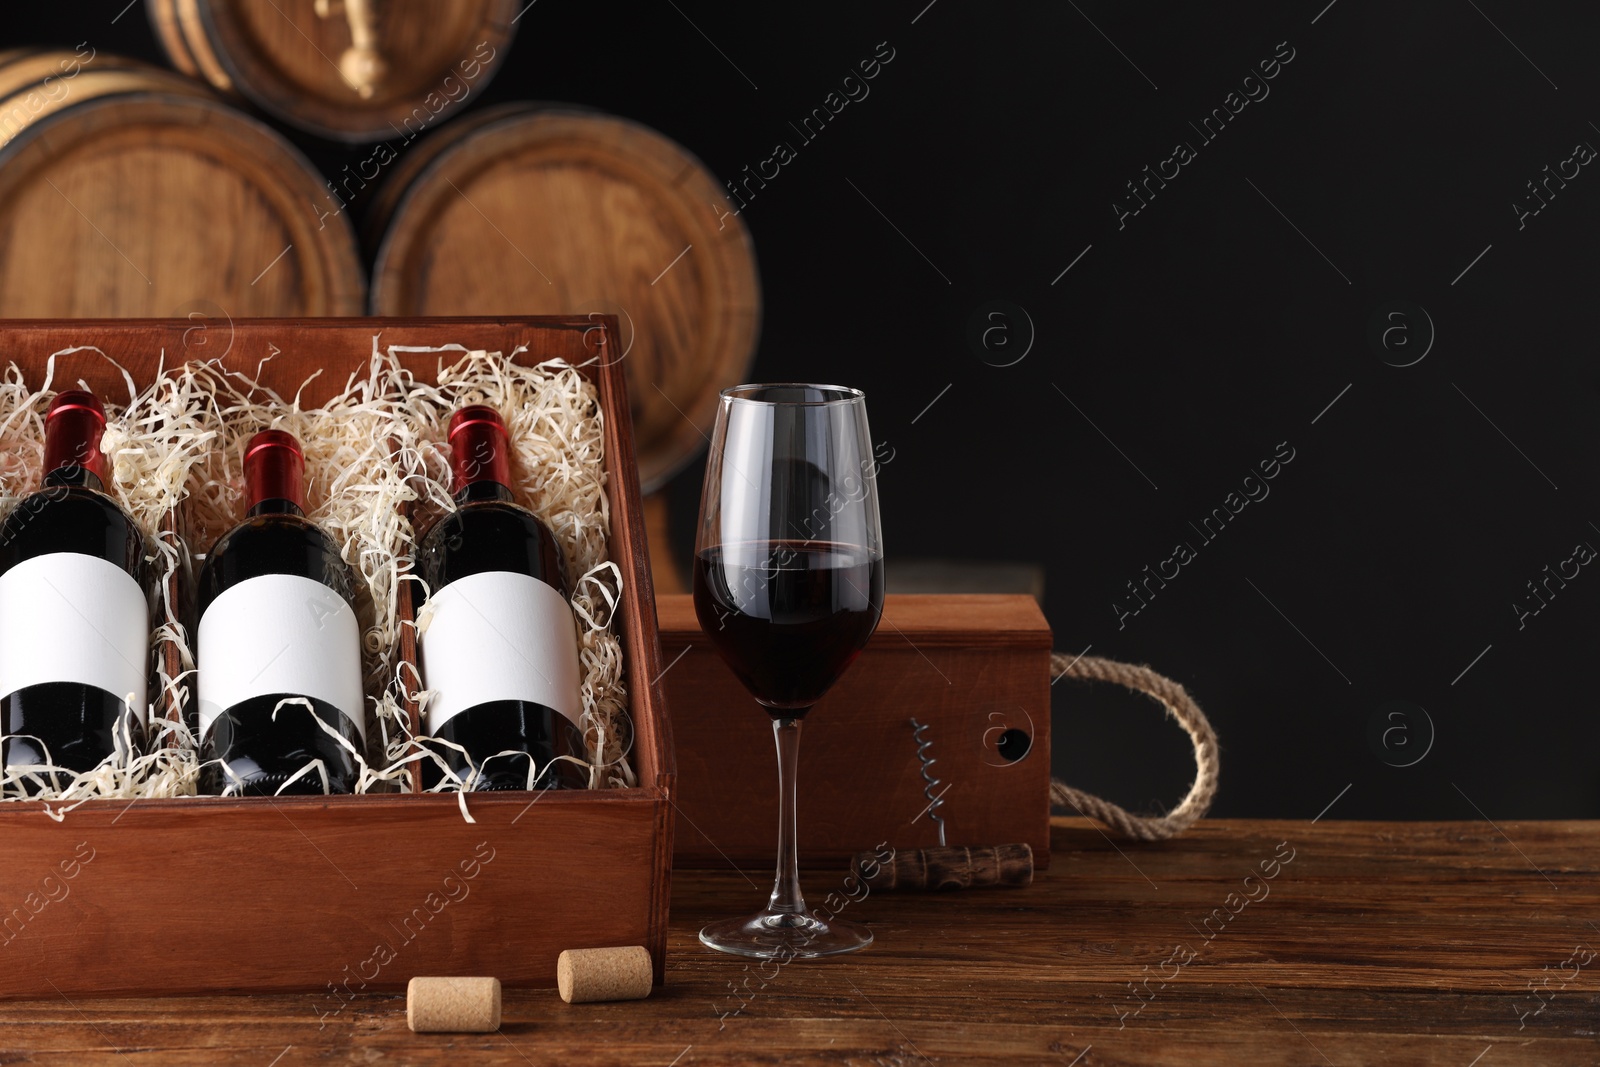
point(788, 587)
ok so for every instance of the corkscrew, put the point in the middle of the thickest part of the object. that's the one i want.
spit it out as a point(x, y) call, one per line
point(929, 790)
point(943, 867)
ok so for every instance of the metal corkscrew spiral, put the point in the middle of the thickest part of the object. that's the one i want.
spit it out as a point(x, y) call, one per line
point(941, 866)
point(929, 790)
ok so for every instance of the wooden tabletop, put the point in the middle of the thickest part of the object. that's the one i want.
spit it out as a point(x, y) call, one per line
point(1244, 942)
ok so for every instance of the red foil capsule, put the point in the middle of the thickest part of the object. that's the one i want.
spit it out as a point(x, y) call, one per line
point(479, 447)
point(72, 430)
point(274, 469)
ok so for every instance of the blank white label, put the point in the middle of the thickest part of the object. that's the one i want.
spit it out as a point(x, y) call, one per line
point(69, 617)
point(280, 633)
point(498, 635)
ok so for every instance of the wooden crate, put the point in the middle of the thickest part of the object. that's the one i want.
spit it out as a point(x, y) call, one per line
point(338, 895)
point(968, 667)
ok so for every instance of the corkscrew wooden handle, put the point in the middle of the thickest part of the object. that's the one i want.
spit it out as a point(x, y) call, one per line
point(947, 867)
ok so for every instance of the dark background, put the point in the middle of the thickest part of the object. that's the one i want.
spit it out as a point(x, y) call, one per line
point(1219, 321)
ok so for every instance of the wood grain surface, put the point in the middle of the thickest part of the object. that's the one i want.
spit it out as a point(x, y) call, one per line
point(1373, 943)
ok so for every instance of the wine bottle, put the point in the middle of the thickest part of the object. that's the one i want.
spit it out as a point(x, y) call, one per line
point(277, 633)
point(74, 612)
point(499, 650)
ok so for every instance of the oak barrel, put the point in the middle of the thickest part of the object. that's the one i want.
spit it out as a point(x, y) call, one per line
point(549, 208)
point(347, 70)
point(126, 191)
point(38, 82)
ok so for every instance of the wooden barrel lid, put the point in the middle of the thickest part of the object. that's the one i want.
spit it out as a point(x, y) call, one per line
point(348, 70)
point(380, 209)
point(551, 209)
point(136, 194)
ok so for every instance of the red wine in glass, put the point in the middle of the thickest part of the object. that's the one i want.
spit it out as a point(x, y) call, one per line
point(788, 585)
point(788, 616)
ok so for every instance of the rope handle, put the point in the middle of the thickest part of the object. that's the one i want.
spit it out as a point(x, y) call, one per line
point(1180, 706)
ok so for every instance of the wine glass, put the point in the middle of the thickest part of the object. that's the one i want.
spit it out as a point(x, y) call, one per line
point(788, 585)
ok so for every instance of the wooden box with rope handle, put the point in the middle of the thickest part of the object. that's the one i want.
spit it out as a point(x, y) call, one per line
point(939, 734)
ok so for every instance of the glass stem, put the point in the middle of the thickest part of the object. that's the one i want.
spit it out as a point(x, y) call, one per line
point(786, 898)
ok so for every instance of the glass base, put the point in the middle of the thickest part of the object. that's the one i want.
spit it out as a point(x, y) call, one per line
point(783, 936)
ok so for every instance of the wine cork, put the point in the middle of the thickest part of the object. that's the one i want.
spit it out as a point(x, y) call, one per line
point(589, 974)
point(453, 1005)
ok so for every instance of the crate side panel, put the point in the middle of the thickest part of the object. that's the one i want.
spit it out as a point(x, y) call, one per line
point(860, 778)
point(359, 893)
